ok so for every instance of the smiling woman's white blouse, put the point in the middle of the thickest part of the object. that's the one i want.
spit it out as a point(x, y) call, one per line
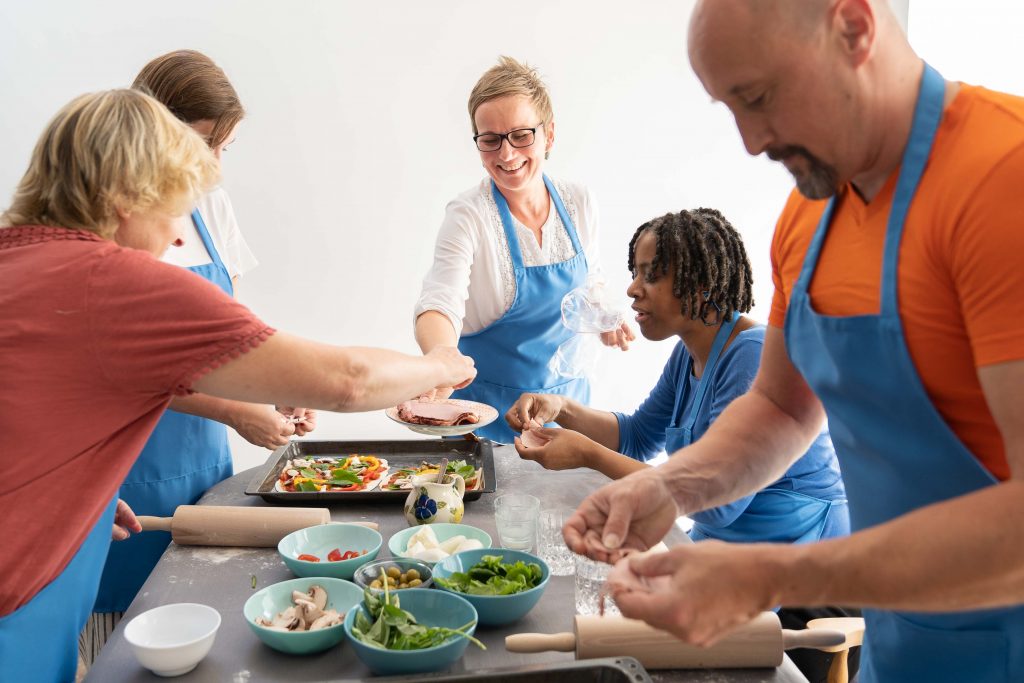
point(471, 281)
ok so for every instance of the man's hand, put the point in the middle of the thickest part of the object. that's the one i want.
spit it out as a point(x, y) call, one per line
point(619, 337)
point(125, 523)
point(713, 588)
point(565, 449)
point(534, 408)
point(633, 513)
point(261, 425)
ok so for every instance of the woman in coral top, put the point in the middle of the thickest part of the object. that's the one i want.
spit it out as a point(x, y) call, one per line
point(99, 336)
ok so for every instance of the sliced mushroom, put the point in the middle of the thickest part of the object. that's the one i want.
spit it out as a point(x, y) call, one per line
point(289, 619)
point(308, 610)
point(329, 618)
point(301, 462)
point(318, 596)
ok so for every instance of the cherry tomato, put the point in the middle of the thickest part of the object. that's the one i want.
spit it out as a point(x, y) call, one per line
point(309, 558)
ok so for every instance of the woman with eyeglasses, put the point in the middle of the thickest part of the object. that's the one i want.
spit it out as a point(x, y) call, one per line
point(692, 280)
point(509, 249)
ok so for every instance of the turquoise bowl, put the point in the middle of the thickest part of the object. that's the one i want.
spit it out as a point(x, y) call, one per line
point(430, 608)
point(274, 599)
point(322, 539)
point(443, 531)
point(495, 610)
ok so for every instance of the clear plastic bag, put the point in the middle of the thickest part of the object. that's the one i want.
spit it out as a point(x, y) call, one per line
point(587, 312)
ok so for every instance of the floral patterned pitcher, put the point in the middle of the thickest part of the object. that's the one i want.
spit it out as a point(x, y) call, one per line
point(430, 502)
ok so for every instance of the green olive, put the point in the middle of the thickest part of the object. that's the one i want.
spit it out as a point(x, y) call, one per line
point(403, 585)
point(414, 583)
point(412, 574)
point(393, 572)
point(376, 584)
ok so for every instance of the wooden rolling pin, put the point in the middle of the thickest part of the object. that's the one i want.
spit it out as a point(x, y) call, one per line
point(757, 644)
point(255, 527)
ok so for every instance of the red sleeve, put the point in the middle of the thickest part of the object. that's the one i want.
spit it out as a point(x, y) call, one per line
point(985, 263)
point(157, 328)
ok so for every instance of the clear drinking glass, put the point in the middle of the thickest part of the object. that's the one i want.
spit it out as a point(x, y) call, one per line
point(590, 580)
point(515, 515)
point(551, 546)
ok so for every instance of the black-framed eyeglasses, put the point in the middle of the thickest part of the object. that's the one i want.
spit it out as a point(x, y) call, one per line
point(520, 137)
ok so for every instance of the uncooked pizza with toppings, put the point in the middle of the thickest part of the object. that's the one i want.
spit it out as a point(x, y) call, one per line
point(403, 479)
point(330, 473)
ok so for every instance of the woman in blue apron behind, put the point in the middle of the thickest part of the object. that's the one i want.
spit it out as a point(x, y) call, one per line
point(692, 279)
point(509, 249)
point(188, 452)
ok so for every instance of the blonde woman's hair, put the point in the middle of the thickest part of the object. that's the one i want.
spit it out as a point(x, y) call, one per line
point(195, 89)
point(510, 77)
point(110, 151)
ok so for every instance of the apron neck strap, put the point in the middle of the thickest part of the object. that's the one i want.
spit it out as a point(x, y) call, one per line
point(721, 337)
point(204, 235)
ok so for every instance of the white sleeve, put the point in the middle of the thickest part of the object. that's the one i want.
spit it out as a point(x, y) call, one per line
point(238, 258)
point(446, 285)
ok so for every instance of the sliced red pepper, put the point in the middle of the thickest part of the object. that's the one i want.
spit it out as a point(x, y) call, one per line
point(309, 558)
point(336, 556)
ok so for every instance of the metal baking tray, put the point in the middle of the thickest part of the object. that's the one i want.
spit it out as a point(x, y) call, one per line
point(398, 453)
point(606, 670)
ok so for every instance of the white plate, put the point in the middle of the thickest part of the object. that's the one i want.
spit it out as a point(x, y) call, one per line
point(487, 415)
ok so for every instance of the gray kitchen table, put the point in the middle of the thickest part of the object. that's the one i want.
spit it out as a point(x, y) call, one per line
point(222, 578)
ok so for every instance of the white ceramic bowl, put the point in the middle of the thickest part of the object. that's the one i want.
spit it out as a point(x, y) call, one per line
point(170, 640)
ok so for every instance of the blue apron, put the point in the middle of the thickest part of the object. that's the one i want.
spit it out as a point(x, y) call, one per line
point(39, 640)
point(773, 514)
point(184, 456)
point(896, 451)
point(512, 353)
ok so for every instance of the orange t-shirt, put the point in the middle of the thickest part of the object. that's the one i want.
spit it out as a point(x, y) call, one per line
point(960, 276)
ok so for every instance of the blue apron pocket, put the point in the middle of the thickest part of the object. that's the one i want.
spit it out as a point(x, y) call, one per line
point(899, 648)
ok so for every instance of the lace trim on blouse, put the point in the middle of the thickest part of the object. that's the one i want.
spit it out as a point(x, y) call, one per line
point(561, 247)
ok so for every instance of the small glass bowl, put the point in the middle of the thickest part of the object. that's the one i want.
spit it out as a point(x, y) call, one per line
point(371, 570)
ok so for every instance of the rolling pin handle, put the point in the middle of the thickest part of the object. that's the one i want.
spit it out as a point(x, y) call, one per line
point(541, 642)
point(812, 638)
point(154, 523)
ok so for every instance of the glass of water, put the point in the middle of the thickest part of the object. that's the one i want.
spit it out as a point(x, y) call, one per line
point(551, 546)
point(590, 580)
point(515, 515)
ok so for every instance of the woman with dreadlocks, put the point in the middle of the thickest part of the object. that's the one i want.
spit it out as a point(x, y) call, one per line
point(692, 280)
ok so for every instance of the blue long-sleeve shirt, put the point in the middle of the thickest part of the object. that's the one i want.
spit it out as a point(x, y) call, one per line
point(642, 434)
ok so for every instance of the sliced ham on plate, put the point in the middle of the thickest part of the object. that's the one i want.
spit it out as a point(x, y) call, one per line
point(435, 414)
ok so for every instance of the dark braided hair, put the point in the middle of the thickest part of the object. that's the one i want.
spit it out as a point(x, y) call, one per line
point(712, 276)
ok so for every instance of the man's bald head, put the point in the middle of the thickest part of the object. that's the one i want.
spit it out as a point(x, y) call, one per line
point(801, 77)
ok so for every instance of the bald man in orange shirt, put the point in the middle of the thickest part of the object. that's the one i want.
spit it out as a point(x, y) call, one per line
point(899, 313)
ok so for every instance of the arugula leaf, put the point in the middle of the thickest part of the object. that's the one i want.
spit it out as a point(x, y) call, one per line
point(490, 576)
point(396, 629)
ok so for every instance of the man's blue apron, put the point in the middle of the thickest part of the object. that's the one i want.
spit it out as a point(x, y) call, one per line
point(512, 353)
point(896, 451)
point(773, 514)
point(39, 640)
point(185, 456)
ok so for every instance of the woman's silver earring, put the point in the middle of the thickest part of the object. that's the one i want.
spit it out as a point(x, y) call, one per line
point(547, 154)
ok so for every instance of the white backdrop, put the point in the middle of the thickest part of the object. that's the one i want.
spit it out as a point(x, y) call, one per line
point(357, 135)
